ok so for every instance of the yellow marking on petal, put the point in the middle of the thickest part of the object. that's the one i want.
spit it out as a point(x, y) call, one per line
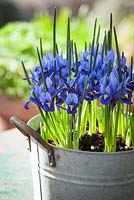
point(129, 90)
point(45, 70)
point(122, 70)
point(126, 96)
point(54, 100)
point(64, 86)
point(48, 104)
point(132, 81)
point(91, 93)
point(71, 107)
point(97, 92)
point(95, 82)
point(106, 96)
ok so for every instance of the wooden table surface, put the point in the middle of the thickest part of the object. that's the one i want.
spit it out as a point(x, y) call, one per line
point(15, 169)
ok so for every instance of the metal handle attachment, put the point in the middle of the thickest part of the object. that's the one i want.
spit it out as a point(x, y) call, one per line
point(28, 131)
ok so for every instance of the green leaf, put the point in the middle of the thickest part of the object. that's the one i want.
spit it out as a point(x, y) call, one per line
point(69, 46)
point(118, 53)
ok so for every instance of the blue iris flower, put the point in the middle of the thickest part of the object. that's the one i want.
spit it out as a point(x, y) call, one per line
point(94, 80)
point(72, 102)
point(124, 68)
point(26, 105)
point(127, 91)
point(50, 87)
point(69, 83)
point(58, 81)
point(123, 61)
point(74, 67)
point(60, 98)
point(110, 88)
point(40, 97)
point(106, 96)
point(89, 94)
point(34, 96)
point(114, 83)
point(46, 101)
point(80, 84)
point(34, 78)
point(126, 98)
point(64, 73)
point(103, 69)
point(93, 91)
point(38, 73)
point(130, 85)
point(48, 64)
point(99, 62)
point(109, 57)
point(60, 63)
point(85, 67)
point(85, 63)
point(62, 88)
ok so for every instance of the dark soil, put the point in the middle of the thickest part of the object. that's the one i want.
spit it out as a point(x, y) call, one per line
point(95, 143)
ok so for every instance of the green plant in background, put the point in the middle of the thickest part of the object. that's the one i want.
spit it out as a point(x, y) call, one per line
point(17, 39)
point(79, 93)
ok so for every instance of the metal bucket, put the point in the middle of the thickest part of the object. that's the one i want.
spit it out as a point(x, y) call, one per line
point(80, 175)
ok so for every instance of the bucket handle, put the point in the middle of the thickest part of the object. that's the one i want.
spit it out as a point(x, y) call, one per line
point(28, 131)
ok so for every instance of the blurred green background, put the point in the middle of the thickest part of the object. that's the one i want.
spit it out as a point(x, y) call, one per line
point(19, 40)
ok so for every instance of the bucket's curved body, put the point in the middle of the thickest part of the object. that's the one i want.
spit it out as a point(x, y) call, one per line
point(81, 175)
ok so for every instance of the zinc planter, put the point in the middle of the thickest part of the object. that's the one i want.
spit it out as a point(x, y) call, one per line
point(79, 175)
